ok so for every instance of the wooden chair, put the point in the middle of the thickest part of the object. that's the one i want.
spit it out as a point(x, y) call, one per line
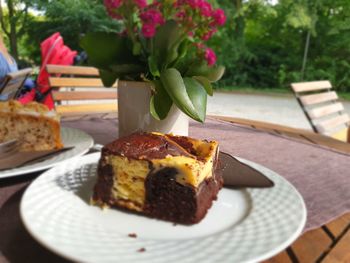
point(322, 108)
point(76, 90)
point(13, 83)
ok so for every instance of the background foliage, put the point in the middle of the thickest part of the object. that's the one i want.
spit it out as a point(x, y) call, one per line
point(262, 44)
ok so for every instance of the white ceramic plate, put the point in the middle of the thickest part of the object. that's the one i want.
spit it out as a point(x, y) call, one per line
point(70, 137)
point(245, 225)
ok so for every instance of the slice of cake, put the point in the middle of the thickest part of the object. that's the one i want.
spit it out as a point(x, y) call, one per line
point(33, 125)
point(168, 177)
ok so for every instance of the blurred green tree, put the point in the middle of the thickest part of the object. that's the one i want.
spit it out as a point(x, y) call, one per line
point(14, 16)
point(287, 41)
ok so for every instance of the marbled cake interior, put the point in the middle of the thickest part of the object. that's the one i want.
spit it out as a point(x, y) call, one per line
point(162, 176)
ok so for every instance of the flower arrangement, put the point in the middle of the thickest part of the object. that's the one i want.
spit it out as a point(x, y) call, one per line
point(163, 42)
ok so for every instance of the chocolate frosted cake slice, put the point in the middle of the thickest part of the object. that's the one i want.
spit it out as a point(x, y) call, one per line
point(168, 177)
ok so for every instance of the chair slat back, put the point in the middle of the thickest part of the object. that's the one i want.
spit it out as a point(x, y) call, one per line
point(326, 110)
point(318, 98)
point(85, 109)
point(321, 106)
point(330, 124)
point(84, 95)
point(14, 82)
point(73, 70)
point(76, 90)
point(311, 86)
point(75, 82)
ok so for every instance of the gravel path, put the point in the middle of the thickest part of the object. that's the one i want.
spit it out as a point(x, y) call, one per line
point(283, 109)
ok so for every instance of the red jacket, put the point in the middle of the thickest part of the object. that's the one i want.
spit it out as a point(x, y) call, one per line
point(53, 51)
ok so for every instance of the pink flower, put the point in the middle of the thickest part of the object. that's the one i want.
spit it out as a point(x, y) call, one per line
point(148, 30)
point(209, 34)
point(112, 4)
point(219, 17)
point(156, 4)
point(181, 14)
point(153, 17)
point(198, 45)
point(210, 56)
point(194, 3)
point(205, 9)
point(114, 15)
point(141, 3)
point(111, 7)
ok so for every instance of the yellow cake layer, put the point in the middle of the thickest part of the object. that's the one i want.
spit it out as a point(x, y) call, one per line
point(129, 180)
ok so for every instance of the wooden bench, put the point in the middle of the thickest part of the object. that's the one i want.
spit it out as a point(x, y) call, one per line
point(79, 91)
point(14, 82)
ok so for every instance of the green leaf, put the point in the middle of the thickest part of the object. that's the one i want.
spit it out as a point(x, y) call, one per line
point(183, 65)
point(213, 73)
point(136, 49)
point(160, 103)
point(173, 83)
point(205, 83)
point(198, 96)
point(183, 48)
point(108, 78)
point(172, 55)
point(165, 42)
point(181, 53)
point(153, 67)
point(105, 49)
point(124, 69)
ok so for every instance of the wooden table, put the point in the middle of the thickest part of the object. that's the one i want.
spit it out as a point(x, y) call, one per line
point(329, 243)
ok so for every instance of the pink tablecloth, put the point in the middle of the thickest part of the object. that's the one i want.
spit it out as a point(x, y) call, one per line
point(320, 175)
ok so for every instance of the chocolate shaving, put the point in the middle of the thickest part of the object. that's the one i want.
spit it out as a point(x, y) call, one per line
point(133, 235)
point(141, 250)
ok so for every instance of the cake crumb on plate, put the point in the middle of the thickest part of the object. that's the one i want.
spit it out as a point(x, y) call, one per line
point(133, 235)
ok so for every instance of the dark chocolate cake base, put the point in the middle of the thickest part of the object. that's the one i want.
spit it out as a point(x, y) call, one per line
point(168, 200)
point(165, 198)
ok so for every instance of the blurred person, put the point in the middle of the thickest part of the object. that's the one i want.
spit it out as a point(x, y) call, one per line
point(7, 62)
point(7, 65)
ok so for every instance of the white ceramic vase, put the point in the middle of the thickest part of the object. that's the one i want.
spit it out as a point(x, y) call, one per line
point(134, 112)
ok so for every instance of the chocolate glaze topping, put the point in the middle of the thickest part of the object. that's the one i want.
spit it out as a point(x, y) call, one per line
point(148, 146)
point(183, 142)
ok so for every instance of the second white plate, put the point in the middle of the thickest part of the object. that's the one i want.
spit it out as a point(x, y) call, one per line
point(81, 141)
point(242, 226)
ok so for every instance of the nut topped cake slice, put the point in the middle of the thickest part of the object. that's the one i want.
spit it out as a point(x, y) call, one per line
point(168, 177)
